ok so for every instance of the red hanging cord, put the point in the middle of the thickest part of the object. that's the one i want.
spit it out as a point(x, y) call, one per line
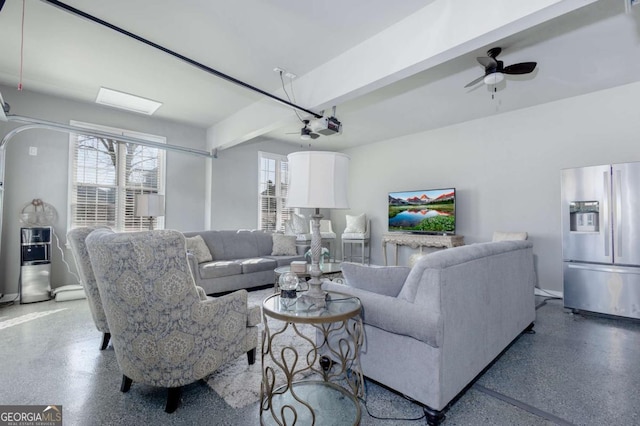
point(21, 46)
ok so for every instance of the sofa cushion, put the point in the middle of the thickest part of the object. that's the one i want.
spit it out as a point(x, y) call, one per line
point(234, 245)
point(283, 245)
point(284, 260)
point(354, 236)
point(264, 242)
point(198, 247)
point(256, 264)
point(220, 268)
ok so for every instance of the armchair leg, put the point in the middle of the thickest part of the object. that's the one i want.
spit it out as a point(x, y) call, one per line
point(126, 384)
point(173, 399)
point(105, 341)
point(251, 356)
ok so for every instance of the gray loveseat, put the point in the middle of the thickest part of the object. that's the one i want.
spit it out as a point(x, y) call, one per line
point(431, 329)
point(240, 260)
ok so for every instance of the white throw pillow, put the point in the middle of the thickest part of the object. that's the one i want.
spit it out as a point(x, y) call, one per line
point(284, 245)
point(356, 224)
point(299, 224)
point(199, 249)
point(508, 236)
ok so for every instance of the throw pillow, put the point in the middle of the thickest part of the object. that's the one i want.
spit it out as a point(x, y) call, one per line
point(299, 224)
point(288, 229)
point(356, 224)
point(507, 236)
point(386, 280)
point(284, 245)
point(199, 249)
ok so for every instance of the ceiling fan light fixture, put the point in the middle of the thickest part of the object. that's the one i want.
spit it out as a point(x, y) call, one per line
point(305, 136)
point(493, 78)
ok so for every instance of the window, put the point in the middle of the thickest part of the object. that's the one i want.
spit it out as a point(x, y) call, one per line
point(105, 176)
point(272, 192)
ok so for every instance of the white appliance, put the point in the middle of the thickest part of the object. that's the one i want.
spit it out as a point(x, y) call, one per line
point(601, 239)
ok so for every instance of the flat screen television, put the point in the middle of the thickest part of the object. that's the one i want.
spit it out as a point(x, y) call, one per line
point(429, 211)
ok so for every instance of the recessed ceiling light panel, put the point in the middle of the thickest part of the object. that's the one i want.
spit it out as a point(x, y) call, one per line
point(125, 101)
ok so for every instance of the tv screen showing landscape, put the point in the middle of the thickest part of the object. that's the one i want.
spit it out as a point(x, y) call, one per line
point(431, 211)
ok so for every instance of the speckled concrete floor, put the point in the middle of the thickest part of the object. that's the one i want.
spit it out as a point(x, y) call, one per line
point(576, 369)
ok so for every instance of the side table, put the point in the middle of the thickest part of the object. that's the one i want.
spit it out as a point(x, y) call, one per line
point(303, 388)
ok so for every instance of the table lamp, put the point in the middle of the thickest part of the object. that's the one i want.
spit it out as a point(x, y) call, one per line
point(150, 205)
point(318, 180)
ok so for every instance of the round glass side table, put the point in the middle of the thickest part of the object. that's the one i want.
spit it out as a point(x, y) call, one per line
point(318, 384)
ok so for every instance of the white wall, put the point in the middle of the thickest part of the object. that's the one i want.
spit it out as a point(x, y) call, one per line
point(234, 194)
point(506, 169)
point(45, 176)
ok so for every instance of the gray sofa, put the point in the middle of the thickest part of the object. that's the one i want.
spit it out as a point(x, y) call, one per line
point(240, 260)
point(430, 330)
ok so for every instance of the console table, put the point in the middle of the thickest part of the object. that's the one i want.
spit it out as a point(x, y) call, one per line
point(418, 241)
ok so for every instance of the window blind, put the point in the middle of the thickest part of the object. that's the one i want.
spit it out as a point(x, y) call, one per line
point(272, 189)
point(106, 175)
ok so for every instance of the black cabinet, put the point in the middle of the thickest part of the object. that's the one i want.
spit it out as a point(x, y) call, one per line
point(35, 264)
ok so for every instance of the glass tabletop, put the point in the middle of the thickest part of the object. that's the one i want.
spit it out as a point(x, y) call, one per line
point(325, 268)
point(339, 307)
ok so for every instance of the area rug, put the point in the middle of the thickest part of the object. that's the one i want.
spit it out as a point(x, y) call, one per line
point(237, 382)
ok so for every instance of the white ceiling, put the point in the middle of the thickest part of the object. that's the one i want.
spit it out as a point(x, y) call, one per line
point(591, 48)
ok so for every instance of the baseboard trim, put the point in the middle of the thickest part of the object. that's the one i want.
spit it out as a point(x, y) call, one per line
point(548, 293)
point(9, 297)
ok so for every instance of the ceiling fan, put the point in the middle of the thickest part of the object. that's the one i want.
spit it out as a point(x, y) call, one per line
point(305, 132)
point(494, 70)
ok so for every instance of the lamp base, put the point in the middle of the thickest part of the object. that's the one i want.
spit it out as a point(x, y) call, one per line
point(315, 297)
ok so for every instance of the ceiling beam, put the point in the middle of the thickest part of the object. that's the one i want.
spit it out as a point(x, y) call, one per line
point(437, 33)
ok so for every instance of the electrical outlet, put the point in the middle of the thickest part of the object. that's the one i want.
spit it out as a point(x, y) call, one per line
point(33, 150)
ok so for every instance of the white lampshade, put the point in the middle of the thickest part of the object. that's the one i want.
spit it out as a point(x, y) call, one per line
point(318, 179)
point(149, 205)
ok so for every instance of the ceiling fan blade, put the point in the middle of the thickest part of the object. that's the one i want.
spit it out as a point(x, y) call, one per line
point(487, 62)
point(476, 81)
point(314, 135)
point(521, 68)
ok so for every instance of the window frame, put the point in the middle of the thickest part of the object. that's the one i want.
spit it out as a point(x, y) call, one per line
point(121, 187)
point(283, 213)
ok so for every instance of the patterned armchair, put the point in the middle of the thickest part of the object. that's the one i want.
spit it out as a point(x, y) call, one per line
point(163, 333)
point(76, 238)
